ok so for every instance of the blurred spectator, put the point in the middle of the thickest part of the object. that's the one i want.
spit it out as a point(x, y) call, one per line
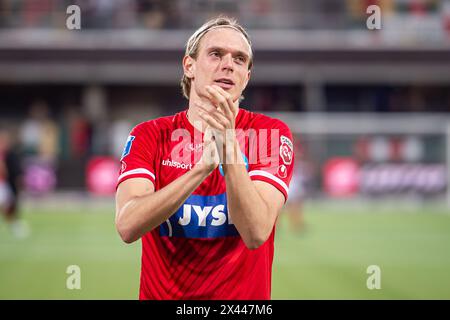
point(125, 13)
point(297, 191)
point(37, 13)
point(39, 133)
point(77, 133)
point(30, 134)
point(446, 17)
point(161, 14)
point(97, 13)
point(151, 14)
point(5, 13)
point(182, 14)
point(119, 130)
point(294, 206)
point(100, 137)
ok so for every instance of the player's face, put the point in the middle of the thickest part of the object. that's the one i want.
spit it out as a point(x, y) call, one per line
point(223, 59)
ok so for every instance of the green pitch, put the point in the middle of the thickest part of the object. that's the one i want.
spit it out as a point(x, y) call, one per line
point(329, 260)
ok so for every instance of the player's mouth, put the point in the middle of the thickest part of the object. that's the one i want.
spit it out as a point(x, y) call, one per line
point(224, 83)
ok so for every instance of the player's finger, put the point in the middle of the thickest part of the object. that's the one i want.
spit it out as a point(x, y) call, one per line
point(216, 115)
point(205, 105)
point(222, 91)
point(210, 147)
point(230, 106)
point(210, 120)
point(220, 99)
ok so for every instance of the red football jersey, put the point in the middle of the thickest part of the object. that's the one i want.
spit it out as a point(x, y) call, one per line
point(198, 253)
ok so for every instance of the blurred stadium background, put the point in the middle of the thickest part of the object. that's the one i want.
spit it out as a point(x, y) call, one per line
point(369, 109)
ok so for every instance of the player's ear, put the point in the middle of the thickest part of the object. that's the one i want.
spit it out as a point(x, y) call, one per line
point(188, 66)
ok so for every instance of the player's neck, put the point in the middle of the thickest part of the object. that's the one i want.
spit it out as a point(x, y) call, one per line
point(192, 113)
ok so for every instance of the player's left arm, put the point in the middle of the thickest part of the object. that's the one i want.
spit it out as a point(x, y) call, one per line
point(253, 205)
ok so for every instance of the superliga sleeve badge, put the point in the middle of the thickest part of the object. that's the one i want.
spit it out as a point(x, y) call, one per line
point(286, 150)
point(128, 145)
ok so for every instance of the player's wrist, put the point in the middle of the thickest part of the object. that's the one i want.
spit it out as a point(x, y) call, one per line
point(232, 153)
point(203, 168)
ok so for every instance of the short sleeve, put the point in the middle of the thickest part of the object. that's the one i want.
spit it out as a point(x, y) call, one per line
point(138, 157)
point(274, 156)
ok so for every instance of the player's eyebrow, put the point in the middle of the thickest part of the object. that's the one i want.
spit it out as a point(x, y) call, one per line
point(234, 52)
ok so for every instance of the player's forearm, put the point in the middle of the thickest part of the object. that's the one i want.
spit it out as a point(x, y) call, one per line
point(247, 208)
point(142, 214)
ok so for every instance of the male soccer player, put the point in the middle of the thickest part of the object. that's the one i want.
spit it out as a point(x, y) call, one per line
point(10, 183)
point(207, 229)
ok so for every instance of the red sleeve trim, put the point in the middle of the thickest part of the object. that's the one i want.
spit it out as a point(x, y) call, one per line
point(270, 178)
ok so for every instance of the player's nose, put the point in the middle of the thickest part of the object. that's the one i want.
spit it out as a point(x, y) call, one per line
point(227, 62)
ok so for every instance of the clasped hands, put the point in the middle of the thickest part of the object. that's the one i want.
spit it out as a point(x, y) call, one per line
point(219, 113)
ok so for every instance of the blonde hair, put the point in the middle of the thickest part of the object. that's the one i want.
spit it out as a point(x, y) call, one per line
point(193, 44)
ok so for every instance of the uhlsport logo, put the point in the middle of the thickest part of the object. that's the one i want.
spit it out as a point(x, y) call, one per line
point(200, 217)
point(176, 164)
point(193, 147)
